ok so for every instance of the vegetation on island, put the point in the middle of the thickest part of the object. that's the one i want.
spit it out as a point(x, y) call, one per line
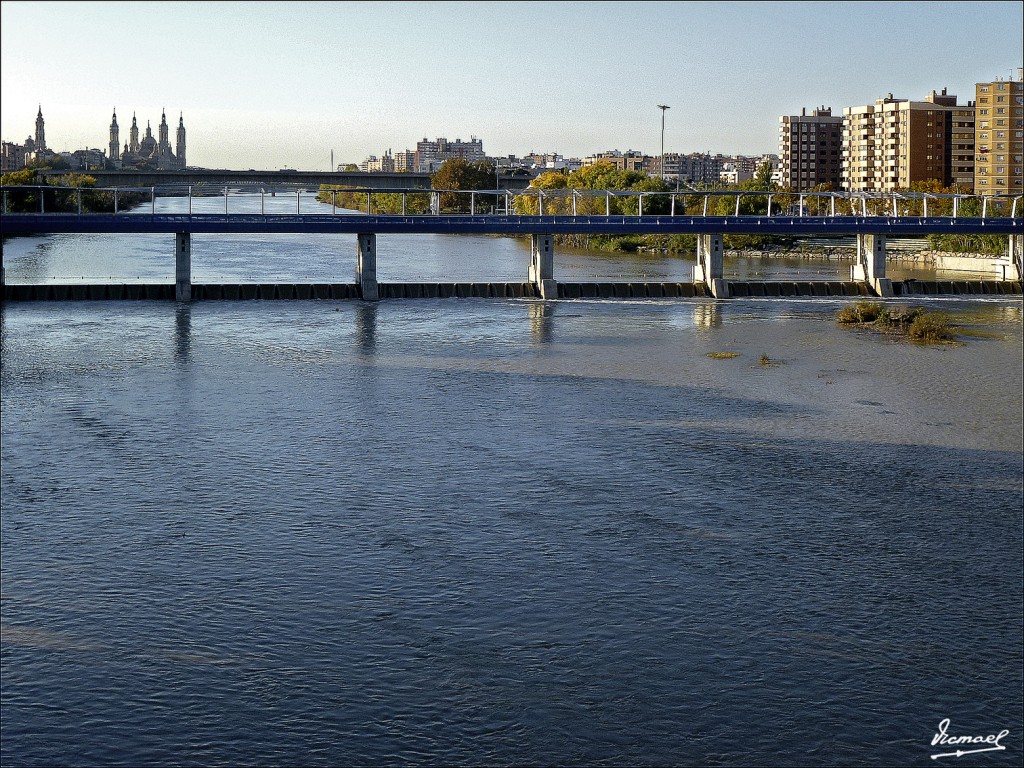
point(912, 322)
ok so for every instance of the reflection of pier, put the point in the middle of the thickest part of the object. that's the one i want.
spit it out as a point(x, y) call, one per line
point(868, 273)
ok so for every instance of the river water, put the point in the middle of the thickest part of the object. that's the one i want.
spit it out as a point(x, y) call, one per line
point(500, 532)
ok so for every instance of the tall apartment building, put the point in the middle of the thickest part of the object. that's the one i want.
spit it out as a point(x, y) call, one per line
point(999, 132)
point(894, 143)
point(961, 147)
point(431, 154)
point(810, 147)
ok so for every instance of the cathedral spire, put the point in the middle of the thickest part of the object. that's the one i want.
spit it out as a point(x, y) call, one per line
point(40, 142)
point(115, 144)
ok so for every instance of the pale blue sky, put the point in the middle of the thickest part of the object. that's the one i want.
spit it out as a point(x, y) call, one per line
point(269, 85)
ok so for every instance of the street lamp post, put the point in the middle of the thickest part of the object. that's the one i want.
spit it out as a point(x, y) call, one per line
point(662, 107)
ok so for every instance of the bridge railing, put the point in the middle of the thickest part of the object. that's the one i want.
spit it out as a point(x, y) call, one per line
point(502, 202)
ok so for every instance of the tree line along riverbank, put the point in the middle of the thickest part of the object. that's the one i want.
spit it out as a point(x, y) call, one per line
point(558, 187)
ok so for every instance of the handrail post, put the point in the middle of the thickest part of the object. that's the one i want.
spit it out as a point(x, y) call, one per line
point(738, 198)
point(895, 211)
point(607, 203)
point(403, 203)
point(832, 205)
point(574, 202)
point(801, 206)
point(334, 202)
point(956, 205)
point(78, 195)
point(640, 208)
point(769, 206)
point(225, 199)
point(472, 203)
point(540, 202)
point(42, 200)
point(672, 212)
point(864, 205)
point(367, 202)
point(984, 205)
point(189, 199)
point(926, 206)
point(115, 200)
point(705, 206)
point(152, 199)
point(263, 208)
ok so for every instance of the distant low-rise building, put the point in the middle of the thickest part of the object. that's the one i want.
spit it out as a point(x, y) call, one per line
point(692, 168)
point(630, 160)
point(430, 155)
point(85, 159)
point(374, 164)
point(734, 173)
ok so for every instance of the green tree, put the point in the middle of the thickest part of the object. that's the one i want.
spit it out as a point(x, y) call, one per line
point(763, 177)
point(456, 174)
point(549, 183)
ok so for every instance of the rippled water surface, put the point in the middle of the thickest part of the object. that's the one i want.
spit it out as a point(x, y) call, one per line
point(488, 532)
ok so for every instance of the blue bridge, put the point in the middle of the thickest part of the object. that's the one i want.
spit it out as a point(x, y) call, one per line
point(868, 276)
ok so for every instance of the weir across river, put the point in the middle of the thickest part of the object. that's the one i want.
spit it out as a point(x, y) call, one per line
point(843, 215)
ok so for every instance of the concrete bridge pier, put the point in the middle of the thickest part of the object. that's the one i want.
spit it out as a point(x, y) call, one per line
point(710, 268)
point(542, 265)
point(870, 265)
point(366, 267)
point(183, 266)
point(1012, 268)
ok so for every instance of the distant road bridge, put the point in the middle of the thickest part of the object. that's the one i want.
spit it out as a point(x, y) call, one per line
point(270, 179)
point(867, 274)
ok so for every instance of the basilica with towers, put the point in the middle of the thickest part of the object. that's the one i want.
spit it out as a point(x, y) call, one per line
point(139, 153)
point(148, 151)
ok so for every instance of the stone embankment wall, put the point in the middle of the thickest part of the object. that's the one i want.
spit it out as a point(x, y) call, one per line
point(939, 259)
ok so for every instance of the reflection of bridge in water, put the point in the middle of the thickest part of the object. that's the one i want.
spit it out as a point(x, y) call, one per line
point(850, 218)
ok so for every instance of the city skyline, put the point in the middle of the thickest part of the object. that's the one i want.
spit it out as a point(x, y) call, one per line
point(359, 78)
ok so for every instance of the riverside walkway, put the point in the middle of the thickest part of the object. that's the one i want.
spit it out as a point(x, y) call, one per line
point(844, 215)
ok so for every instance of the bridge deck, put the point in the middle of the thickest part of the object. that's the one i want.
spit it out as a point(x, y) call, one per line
point(241, 223)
